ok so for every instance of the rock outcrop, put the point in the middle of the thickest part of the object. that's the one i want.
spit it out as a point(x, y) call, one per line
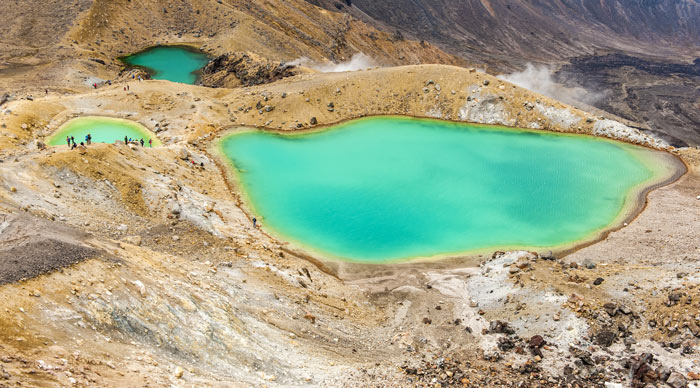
point(244, 69)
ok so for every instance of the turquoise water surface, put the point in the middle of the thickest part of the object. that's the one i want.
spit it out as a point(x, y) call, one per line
point(102, 130)
point(171, 63)
point(389, 188)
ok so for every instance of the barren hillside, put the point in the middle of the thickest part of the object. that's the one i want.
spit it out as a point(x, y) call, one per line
point(106, 29)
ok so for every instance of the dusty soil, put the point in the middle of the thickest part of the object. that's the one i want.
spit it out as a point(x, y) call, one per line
point(32, 247)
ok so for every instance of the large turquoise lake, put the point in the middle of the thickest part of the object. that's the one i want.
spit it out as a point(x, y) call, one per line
point(388, 188)
point(172, 63)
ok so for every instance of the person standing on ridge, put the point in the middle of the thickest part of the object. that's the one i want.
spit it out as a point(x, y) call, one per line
point(255, 222)
point(150, 143)
point(141, 142)
point(68, 140)
point(89, 139)
point(126, 140)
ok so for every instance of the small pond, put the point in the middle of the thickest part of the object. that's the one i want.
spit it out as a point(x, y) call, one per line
point(171, 63)
point(102, 130)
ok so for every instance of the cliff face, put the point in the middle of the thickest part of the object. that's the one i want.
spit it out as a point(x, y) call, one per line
point(662, 96)
point(498, 31)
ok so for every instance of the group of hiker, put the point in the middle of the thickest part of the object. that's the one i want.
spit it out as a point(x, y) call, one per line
point(88, 140)
point(71, 141)
point(128, 140)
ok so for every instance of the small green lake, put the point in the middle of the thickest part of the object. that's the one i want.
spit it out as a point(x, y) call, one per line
point(391, 188)
point(171, 63)
point(102, 130)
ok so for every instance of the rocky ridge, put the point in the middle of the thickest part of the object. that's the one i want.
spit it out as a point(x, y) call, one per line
point(233, 70)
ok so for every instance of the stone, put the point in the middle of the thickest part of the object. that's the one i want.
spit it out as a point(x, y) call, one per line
point(134, 240)
point(141, 287)
point(588, 264)
point(486, 82)
point(640, 371)
point(598, 281)
point(582, 355)
point(535, 344)
point(605, 338)
point(184, 154)
point(677, 380)
point(611, 309)
point(674, 298)
point(500, 327)
point(548, 256)
point(663, 373)
point(179, 372)
point(313, 121)
point(505, 344)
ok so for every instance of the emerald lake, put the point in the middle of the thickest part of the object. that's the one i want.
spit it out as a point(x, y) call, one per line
point(391, 188)
point(102, 130)
point(171, 63)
